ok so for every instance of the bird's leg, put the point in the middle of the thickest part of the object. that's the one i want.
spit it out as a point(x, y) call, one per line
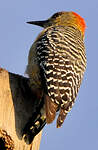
point(35, 124)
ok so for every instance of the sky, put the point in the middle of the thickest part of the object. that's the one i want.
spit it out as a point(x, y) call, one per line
point(80, 129)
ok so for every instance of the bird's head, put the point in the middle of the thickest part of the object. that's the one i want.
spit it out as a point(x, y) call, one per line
point(63, 19)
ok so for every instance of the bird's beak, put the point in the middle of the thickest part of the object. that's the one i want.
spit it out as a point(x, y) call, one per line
point(39, 23)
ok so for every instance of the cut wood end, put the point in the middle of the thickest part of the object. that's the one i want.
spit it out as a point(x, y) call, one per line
point(1, 70)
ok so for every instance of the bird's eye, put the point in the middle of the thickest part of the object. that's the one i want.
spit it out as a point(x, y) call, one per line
point(56, 15)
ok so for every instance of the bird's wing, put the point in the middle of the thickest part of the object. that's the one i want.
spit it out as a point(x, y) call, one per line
point(58, 57)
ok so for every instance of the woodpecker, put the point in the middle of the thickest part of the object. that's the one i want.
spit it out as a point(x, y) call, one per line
point(57, 62)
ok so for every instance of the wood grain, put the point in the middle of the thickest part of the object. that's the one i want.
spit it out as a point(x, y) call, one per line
point(16, 107)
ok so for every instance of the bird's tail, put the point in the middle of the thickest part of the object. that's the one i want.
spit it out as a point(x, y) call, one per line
point(51, 109)
point(61, 117)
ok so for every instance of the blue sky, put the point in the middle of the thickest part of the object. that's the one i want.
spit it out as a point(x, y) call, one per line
point(80, 129)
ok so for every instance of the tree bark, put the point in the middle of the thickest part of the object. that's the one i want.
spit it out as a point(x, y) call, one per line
point(16, 107)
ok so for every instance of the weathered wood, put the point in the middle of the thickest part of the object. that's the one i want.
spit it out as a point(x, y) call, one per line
point(16, 107)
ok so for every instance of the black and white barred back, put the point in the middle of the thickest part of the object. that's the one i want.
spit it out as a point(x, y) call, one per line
point(62, 61)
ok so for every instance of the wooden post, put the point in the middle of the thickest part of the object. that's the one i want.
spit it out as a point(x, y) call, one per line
point(16, 107)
